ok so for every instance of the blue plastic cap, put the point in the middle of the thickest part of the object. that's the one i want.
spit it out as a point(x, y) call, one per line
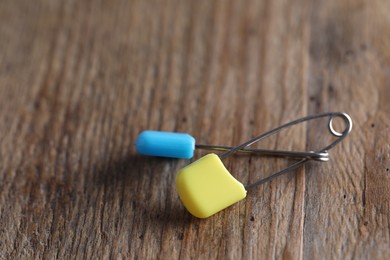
point(165, 144)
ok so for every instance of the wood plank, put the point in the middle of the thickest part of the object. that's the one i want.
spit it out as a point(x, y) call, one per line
point(80, 79)
point(348, 68)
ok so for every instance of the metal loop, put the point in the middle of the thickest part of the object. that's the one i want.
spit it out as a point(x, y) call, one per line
point(347, 121)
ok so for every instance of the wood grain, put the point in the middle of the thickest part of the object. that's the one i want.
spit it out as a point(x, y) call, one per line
point(80, 79)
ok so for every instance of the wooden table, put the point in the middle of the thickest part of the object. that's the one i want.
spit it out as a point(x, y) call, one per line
point(79, 80)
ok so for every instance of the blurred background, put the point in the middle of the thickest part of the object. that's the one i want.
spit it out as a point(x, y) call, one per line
point(79, 80)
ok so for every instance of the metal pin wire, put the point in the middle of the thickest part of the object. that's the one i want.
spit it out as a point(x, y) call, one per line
point(317, 156)
point(244, 147)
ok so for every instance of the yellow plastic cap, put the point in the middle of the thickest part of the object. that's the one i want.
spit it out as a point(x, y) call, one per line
point(206, 187)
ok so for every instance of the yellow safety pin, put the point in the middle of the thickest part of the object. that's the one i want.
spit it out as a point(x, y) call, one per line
point(206, 187)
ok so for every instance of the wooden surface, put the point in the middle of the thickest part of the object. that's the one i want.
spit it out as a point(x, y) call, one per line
point(80, 79)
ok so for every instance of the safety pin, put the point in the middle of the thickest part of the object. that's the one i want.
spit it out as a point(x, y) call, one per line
point(206, 186)
point(182, 145)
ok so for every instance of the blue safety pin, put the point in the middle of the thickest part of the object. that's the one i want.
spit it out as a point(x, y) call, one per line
point(182, 145)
